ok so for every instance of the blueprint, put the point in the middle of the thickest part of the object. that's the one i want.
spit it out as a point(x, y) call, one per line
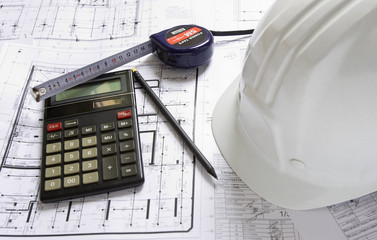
point(163, 204)
point(85, 24)
point(349, 220)
point(41, 40)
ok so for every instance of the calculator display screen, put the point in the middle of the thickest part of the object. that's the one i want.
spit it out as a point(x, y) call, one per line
point(106, 103)
point(90, 89)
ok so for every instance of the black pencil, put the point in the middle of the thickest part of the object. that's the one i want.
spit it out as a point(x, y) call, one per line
point(194, 149)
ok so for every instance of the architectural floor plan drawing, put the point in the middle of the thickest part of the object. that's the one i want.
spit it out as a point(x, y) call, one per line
point(68, 20)
point(349, 220)
point(163, 204)
point(240, 212)
point(177, 197)
point(42, 39)
point(96, 24)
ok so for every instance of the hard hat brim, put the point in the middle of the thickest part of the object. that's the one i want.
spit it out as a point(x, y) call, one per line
point(258, 172)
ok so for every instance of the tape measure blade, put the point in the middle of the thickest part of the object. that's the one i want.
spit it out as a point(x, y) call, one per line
point(81, 75)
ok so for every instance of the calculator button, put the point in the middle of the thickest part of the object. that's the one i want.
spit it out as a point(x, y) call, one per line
point(124, 114)
point(89, 141)
point(89, 165)
point(125, 123)
point(52, 172)
point(53, 184)
point(53, 159)
point(52, 127)
point(126, 134)
point(107, 126)
point(127, 146)
point(108, 149)
point(109, 168)
point(108, 137)
point(54, 136)
point(128, 171)
point(53, 147)
point(71, 168)
point(71, 181)
point(71, 133)
point(72, 144)
point(90, 177)
point(88, 130)
point(71, 123)
point(127, 158)
point(89, 153)
point(71, 156)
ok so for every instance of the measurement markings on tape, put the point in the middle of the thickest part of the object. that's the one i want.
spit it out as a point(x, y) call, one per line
point(182, 46)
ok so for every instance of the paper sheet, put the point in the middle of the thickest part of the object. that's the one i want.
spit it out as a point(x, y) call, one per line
point(354, 219)
point(163, 204)
point(179, 199)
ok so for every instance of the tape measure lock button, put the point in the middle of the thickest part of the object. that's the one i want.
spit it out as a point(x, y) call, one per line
point(184, 46)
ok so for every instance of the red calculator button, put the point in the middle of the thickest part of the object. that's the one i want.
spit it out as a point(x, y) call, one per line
point(124, 114)
point(52, 127)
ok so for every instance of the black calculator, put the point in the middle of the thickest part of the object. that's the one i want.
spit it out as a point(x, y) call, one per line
point(91, 141)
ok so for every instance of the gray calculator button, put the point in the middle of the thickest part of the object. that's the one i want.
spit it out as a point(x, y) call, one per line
point(126, 134)
point(72, 181)
point(109, 168)
point(71, 144)
point(129, 170)
point(89, 153)
point(53, 184)
point(88, 130)
point(71, 133)
point(89, 141)
point(124, 123)
point(71, 168)
point(52, 172)
point(127, 146)
point(54, 136)
point(53, 147)
point(71, 123)
point(107, 126)
point(127, 158)
point(108, 137)
point(71, 156)
point(89, 165)
point(108, 149)
point(90, 177)
point(53, 159)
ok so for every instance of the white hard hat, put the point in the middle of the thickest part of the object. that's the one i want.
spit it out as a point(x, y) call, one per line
point(299, 124)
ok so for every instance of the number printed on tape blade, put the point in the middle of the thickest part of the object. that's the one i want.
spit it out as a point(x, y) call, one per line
point(81, 75)
point(184, 46)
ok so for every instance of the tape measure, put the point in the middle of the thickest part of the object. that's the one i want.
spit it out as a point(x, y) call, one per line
point(184, 46)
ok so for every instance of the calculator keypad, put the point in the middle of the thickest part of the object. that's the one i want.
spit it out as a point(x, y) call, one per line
point(79, 155)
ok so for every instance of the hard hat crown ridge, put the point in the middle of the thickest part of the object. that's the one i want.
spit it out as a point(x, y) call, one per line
point(303, 124)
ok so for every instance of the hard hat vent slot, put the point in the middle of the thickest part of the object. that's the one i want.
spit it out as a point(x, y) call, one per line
point(297, 163)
